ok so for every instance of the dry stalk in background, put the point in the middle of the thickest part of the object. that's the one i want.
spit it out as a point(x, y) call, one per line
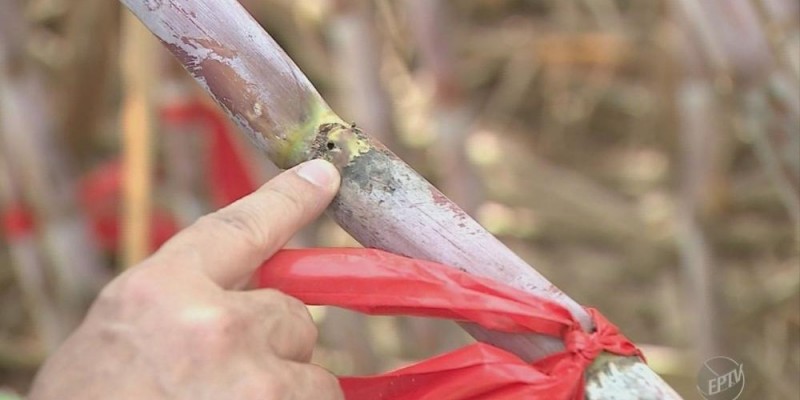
point(139, 70)
point(45, 174)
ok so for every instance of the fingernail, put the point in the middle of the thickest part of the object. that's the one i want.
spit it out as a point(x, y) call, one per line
point(319, 172)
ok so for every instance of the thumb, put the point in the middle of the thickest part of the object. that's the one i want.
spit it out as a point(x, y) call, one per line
point(229, 244)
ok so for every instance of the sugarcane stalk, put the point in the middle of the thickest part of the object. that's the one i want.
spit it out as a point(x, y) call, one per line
point(91, 35)
point(44, 175)
point(382, 202)
point(453, 119)
point(356, 41)
point(734, 44)
point(702, 148)
point(29, 270)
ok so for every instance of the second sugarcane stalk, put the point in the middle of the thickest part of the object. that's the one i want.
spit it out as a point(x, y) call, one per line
point(382, 202)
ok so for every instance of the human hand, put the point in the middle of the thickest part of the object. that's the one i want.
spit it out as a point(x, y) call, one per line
point(175, 327)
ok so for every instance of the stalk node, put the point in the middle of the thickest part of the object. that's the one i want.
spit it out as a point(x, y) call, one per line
point(339, 143)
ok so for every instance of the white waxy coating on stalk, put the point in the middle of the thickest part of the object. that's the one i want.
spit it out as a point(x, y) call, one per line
point(385, 205)
point(616, 380)
point(272, 96)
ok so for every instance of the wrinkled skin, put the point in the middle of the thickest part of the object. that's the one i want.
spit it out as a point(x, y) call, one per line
point(176, 327)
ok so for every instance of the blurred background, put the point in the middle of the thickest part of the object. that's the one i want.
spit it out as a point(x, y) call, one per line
point(642, 155)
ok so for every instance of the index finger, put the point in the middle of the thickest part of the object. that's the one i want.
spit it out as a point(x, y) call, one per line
point(229, 244)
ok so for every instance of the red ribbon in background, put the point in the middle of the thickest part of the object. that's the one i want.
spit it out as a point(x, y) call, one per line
point(101, 194)
point(229, 178)
point(379, 283)
point(17, 221)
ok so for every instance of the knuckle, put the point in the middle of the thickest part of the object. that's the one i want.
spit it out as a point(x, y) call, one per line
point(304, 337)
point(138, 287)
point(210, 327)
point(266, 388)
point(294, 327)
point(307, 331)
point(295, 308)
point(273, 389)
point(326, 382)
point(285, 303)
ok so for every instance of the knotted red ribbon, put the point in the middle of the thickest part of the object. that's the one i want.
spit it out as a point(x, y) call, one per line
point(380, 283)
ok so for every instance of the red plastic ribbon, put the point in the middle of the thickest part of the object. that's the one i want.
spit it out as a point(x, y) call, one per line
point(101, 192)
point(17, 221)
point(380, 283)
point(227, 170)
